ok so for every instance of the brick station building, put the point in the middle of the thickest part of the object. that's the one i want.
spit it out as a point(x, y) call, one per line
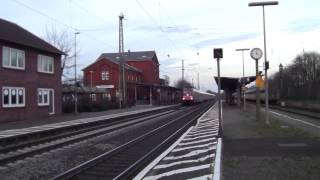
point(142, 78)
point(30, 75)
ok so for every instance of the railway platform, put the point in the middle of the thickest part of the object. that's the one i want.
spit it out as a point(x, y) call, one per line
point(17, 128)
point(196, 154)
point(288, 148)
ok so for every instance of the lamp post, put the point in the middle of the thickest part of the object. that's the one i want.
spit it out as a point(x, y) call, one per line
point(280, 78)
point(243, 81)
point(265, 3)
point(75, 74)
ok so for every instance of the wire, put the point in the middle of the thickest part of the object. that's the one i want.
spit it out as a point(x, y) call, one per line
point(158, 25)
point(60, 22)
point(45, 15)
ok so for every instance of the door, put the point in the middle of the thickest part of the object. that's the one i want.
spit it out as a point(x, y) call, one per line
point(51, 101)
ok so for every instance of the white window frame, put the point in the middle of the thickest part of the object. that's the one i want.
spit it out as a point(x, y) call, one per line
point(43, 90)
point(19, 52)
point(10, 105)
point(93, 97)
point(45, 59)
point(105, 75)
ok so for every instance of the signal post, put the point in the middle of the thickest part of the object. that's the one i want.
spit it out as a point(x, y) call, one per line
point(217, 54)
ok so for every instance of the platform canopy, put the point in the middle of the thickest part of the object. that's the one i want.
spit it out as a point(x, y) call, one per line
point(231, 83)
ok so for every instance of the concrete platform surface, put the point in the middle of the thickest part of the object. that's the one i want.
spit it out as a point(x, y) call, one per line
point(193, 156)
point(254, 150)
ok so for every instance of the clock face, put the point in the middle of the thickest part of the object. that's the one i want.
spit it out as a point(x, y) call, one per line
point(256, 53)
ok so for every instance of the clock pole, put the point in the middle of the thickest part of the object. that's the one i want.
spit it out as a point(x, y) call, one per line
point(256, 54)
point(257, 92)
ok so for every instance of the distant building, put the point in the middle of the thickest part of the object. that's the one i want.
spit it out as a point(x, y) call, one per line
point(141, 73)
point(30, 75)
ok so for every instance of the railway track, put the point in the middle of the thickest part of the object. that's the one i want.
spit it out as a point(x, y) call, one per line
point(20, 150)
point(126, 160)
point(294, 111)
point(298, 112)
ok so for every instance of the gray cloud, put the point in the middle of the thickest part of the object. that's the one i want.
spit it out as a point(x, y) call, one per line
point(303, 25)
point(223, 40)
point(166, 29)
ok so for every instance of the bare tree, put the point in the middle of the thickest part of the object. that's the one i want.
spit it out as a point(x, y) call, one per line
point(183, 83)
point(299, 80)
point(62, 41)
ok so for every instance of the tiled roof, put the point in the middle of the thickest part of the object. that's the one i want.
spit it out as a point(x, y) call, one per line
point(127, 66)
point(130, 56)
point(13, 33)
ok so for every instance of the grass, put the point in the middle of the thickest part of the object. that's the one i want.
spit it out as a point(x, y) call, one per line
point(274, 129)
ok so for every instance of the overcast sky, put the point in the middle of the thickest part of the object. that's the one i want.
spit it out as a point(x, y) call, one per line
point(182, 29)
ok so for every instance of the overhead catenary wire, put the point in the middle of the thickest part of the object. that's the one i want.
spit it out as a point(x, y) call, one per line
point(61, 23)
point(158, 26)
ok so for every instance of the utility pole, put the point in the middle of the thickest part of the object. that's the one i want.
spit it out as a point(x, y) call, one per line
point(75, 74)
point(198, 81)
point(182, 75)
point(198, 73)
point(122, 79)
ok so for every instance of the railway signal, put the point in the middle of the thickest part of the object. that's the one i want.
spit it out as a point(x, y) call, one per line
point(217, 54)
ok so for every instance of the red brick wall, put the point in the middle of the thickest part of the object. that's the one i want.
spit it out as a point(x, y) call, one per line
point(150, 71)
point(97, 68)
point(106, 65)
point(31, 80)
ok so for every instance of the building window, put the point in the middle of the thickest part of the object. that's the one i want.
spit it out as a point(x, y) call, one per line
point(13, 58)
point(106, 96)
point(105, 75)
point(43, 97)
point(93, 97)
point(13, 97)
point(45, 64)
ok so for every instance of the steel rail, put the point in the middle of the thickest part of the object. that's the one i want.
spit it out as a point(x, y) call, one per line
point(99, 159)
point(19, 152)
point(6, 141)
point(142, 162)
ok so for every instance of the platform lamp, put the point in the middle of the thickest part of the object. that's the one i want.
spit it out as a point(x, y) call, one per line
point(262, 4)
point(75, 74)
point(281, 83)
point(243, 80)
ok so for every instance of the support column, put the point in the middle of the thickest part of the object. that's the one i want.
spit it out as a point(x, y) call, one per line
point(238, 96)
point(135, 95)
point(150, 95)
